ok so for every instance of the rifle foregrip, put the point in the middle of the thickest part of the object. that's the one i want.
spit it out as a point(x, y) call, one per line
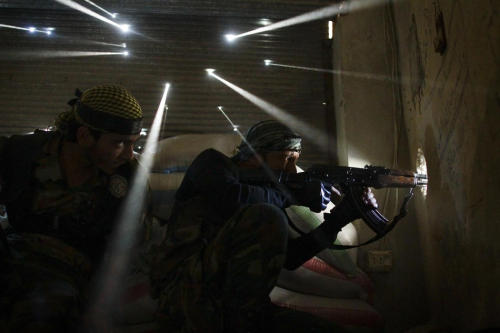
point(395, 181)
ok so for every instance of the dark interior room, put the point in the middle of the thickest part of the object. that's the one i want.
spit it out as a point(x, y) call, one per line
point(404, 84)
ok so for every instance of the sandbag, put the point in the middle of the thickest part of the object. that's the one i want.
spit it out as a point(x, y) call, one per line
point(306, 220)
point(179, 151)
point(319, 266)
point(165, 182)
point(307, 281)
point(136, 305)
point(347, 312)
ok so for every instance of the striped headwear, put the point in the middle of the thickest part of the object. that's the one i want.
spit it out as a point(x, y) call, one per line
point(106, 108)
point(267, 136)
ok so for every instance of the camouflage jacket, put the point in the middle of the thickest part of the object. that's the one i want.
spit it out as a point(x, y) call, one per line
point(39, 201)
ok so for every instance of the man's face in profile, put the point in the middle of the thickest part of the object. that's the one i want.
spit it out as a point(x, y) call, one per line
point(282, 160)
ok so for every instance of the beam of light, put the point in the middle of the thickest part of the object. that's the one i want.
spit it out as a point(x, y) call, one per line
point(48, 31)
point(77, 6)
point(272, 175)
point(113, 15)
point(111, 273)
point(328, 11)
point(367, 76)
point(94, 42)
point(230, 37)
point(125, 27)
point(313, 134)
point(235, 127)
point(55, 54)
point(122, 45)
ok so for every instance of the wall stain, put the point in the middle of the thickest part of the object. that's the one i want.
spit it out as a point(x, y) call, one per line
point(417, 73)
point(453, 107)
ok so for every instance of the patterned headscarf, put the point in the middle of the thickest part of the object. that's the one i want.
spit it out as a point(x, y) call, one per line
point(267, 136)
point(106, 108)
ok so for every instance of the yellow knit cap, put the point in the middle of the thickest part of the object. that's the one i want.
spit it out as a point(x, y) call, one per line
point(113, 100)
point(109, 108)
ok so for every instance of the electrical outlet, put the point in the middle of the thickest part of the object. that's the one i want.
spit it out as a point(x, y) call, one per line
point(379, 260)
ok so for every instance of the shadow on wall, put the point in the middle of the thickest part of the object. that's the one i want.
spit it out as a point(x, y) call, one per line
point(441, 240)
point(462, 266)
point(483, 213)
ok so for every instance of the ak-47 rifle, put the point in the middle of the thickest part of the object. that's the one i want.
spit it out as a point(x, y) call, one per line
point(351, 182)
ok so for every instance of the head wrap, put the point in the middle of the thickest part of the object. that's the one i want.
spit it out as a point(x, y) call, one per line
point(267, 136)
point(106, 108)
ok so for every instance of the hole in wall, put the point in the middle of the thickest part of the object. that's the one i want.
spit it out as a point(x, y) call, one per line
point(422, 169)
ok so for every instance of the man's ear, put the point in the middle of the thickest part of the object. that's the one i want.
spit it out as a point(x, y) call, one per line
point(84, 138)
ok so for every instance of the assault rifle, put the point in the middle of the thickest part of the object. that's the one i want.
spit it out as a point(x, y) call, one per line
point(351, 182)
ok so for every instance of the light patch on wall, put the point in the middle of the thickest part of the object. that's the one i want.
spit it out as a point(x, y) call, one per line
point(357, 162)
point(422, 168)
point(265, 21)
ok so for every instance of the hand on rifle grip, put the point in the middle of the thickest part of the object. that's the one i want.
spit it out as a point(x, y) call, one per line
point(368, 199)
point(311, 193)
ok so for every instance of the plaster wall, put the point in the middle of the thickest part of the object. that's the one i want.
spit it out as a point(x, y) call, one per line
point(424, 74)
point(451, 111)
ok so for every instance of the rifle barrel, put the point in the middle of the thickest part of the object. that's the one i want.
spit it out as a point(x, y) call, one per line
point(421, 179)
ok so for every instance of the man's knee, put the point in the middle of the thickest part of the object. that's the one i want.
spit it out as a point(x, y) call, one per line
point(265, 217)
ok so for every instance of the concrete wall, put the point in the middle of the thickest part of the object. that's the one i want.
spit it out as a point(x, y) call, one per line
point(434, 86)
